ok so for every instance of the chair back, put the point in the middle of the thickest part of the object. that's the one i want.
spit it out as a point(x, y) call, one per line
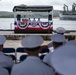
point(23, 57)
point(41, 57)
point(44, 50)
point(20, 54)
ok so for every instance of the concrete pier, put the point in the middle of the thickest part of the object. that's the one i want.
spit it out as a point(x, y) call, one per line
point(45, 36)
point(10, 35)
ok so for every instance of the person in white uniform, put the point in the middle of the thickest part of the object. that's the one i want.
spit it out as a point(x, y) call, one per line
point(3, 71)
point(59, 30)
point(29, 21)
point(64, 59)
point(32, 65)
point(38, 21)
point(57, 41)
point(5, 61)
point(34, 23)
point(24, 17)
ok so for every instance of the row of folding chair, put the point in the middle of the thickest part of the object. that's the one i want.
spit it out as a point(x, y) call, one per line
point(21, 50)
point(19, 55)
point(24, 56)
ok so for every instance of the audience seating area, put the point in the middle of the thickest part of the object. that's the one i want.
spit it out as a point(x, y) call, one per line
point(18, 55)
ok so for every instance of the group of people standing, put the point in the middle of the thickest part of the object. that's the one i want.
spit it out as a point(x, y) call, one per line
point(61, 61)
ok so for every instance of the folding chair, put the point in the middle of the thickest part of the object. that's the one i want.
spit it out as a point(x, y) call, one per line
point(41, 57)
point(23, 57)
point(44, 50)
point(19, 52)
point(9, 52)
point(20, 49)
point(13, 57)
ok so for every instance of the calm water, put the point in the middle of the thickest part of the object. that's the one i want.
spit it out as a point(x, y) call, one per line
point(7, 23)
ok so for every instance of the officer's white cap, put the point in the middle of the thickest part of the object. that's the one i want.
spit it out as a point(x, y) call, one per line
point(2, 39)
point(32, 41)
point(60, 30)
point(57, 38)
point(63, 59)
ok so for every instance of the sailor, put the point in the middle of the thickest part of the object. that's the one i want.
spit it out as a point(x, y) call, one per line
point(5, 61)
point(29, 21)
point(38, 21)
point(34, 23)
point(3, 71)
point(63, 59)
point(59, 30)
point(32, 65)
point(24, 19)
point(57, 41)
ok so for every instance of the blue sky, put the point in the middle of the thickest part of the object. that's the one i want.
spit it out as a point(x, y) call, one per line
point(7, 5)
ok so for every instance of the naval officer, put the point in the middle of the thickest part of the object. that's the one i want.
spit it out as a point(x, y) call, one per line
point(64, 59)
point(57, 41)
point(34, 23)
point(3, 71)
point(5, 61)
point(59, 30)
point(32, 65)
